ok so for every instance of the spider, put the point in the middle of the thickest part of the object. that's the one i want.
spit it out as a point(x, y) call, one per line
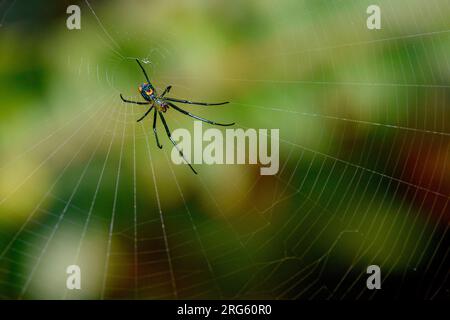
point(161, 104)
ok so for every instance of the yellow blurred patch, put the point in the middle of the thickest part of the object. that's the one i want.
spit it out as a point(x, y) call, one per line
point(21, 189)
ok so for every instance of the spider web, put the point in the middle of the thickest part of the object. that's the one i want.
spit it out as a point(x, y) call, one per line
point(351, 191)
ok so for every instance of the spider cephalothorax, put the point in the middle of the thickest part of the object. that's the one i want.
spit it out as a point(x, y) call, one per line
point(161, 104)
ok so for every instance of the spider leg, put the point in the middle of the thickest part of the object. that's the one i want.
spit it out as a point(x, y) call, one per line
point(173, 142)
point(197, 103)
point(167, 90)
point(129, 101)
point(143, 70)
point(197, 117)
point(154, 130)
point(148, 111)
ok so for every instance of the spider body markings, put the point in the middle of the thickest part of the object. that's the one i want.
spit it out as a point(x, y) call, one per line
point(160, 104)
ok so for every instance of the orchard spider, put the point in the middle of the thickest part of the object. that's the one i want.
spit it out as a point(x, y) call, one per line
point(161, 104)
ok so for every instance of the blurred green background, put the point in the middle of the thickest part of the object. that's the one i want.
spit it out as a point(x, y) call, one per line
point(364, 150)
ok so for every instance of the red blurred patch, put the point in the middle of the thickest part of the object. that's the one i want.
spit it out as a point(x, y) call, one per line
point(427, 166)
